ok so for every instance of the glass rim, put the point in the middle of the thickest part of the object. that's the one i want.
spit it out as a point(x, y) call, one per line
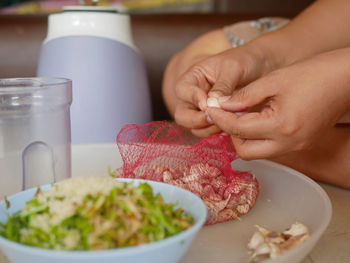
point(27, 84)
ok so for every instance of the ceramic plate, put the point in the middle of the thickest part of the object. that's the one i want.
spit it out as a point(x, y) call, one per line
point(286, 196)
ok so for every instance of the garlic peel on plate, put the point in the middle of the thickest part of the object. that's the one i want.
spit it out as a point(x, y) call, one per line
point(266, 244)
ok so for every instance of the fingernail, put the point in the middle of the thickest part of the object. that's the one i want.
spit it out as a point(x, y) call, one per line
point(224, 98)
point(202, 105)
point(209, 120)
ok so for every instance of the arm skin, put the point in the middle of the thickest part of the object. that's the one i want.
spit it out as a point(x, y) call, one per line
point(327, 161)
point(322, 27)
point(297, 104)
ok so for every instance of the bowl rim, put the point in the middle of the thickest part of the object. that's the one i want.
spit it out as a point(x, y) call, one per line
point(328, 209)
point(180, 237)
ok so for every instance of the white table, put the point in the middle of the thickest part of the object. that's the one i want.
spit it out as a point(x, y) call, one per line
point(334, 245)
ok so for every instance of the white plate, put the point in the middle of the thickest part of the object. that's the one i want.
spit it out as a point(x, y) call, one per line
point(286, 196)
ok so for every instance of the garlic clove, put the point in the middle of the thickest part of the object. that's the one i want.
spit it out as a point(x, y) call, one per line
point(243, 209)
point(213, 102)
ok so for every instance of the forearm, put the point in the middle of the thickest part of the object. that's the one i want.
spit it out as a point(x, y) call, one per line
point(322, 27)
point(337, 63)
point(168, 86)
point(327, 161)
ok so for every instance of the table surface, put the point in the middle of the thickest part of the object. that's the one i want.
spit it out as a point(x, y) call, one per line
point(332, 247)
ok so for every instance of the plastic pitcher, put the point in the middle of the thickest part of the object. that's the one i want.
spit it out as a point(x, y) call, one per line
point(35, 135)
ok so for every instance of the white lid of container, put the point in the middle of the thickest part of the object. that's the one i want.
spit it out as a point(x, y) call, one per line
point(98, 21)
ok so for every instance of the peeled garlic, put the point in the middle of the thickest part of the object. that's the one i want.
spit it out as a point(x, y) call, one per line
point(213, 102)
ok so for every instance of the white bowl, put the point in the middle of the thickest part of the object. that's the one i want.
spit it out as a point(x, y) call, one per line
point(169, 250)
point(286, 196)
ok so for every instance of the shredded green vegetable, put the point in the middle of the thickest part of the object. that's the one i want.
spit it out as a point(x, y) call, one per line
point(125, 215)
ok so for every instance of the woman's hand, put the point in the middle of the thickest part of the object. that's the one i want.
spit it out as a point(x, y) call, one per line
point(305, 36)
point(216, 76)
point(297, 105)
point(209, 44)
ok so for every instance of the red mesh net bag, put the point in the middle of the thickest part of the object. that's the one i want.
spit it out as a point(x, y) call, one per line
point(164, 152)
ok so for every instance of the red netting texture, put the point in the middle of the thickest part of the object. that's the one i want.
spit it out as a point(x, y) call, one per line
point(162, 151)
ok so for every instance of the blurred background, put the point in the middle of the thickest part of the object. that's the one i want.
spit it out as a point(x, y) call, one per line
point(160, 29)
point(259, 7)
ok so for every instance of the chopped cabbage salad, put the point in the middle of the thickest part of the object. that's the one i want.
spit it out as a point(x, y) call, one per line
point(95, 213)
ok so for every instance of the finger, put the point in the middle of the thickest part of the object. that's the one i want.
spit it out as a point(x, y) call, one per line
point(193, 87)
point(226, 81)
point(248, 96)
point(205, 132)
point(192, 94)
point(188, 116)
point(257, 149)
point(253, 125)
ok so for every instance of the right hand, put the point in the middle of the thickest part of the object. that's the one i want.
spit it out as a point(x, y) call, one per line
point(296, 106)
point(216, 76)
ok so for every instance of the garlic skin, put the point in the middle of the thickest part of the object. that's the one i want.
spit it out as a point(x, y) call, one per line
point(296, 229)
point(256, 240)
point(262, 249)
point(266, 244)
point(213, 102)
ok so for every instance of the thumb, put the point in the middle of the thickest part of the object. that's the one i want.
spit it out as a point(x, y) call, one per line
point(225, 83)
point(247, 97)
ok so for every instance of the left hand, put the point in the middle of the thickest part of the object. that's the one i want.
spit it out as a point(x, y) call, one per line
point(300, 102)
point(216, 76)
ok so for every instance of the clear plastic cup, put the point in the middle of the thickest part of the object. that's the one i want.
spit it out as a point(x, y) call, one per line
point(35, 137)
